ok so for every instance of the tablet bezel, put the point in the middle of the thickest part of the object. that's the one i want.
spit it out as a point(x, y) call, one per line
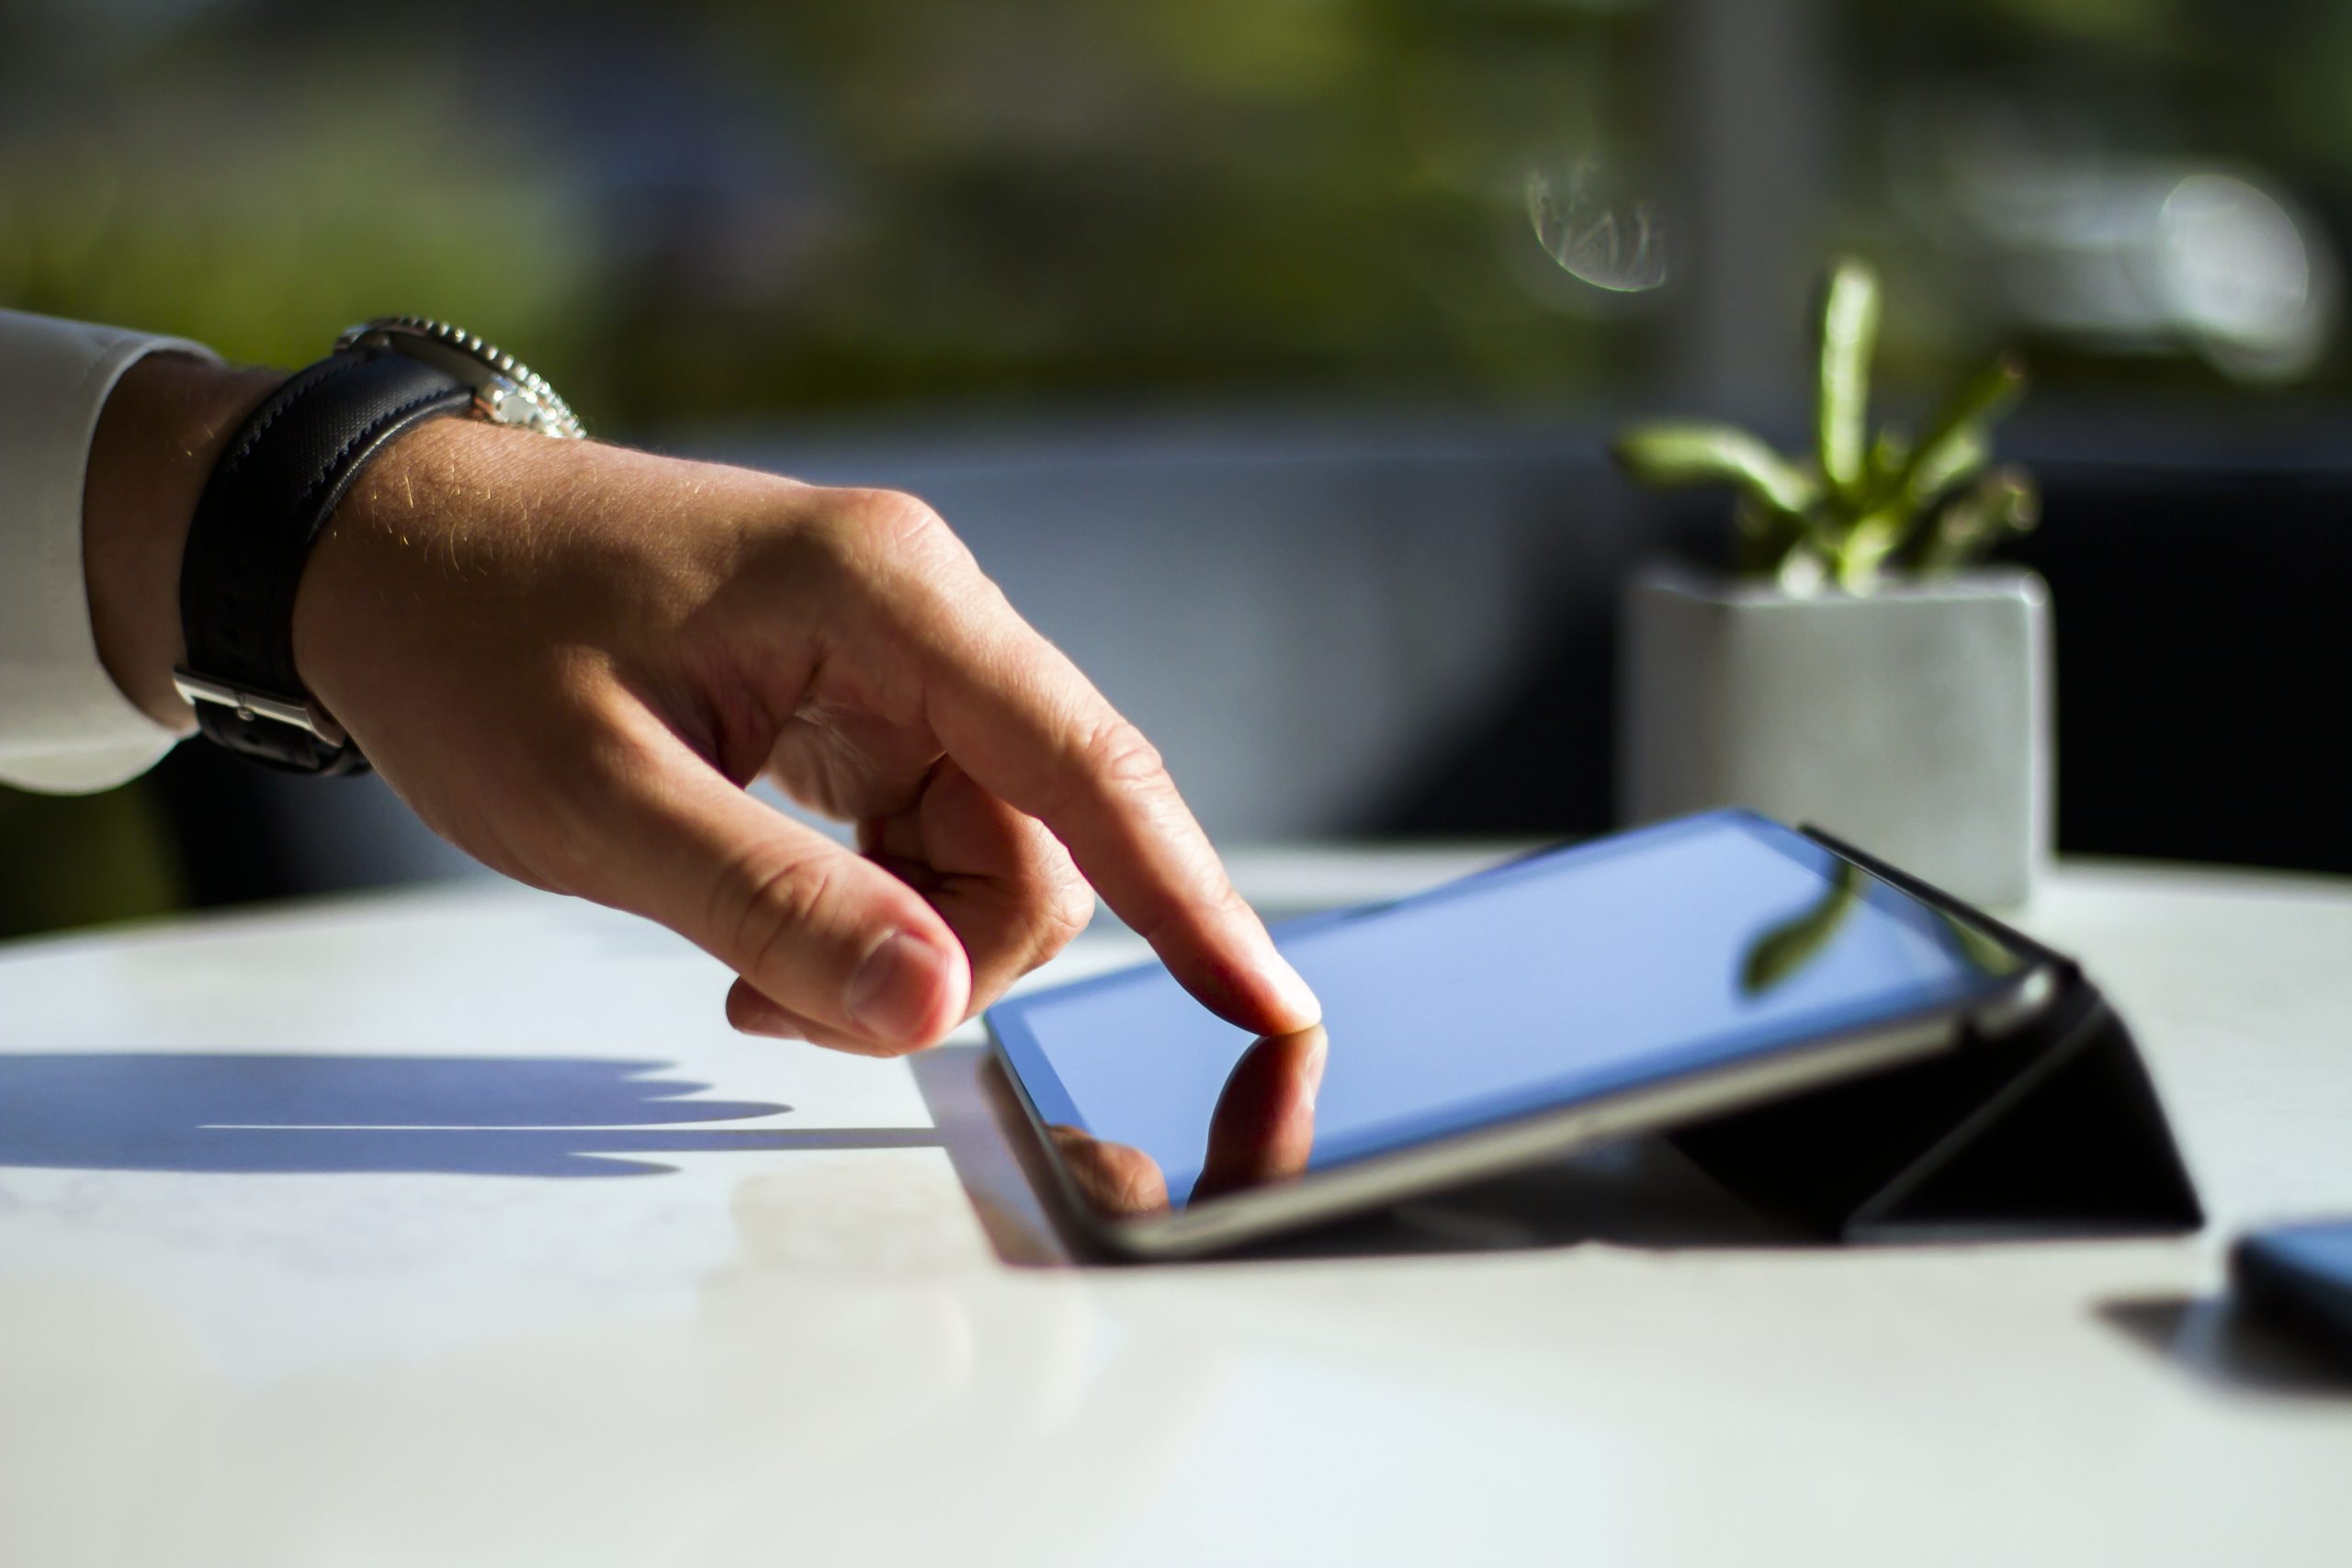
point(1375, 1181)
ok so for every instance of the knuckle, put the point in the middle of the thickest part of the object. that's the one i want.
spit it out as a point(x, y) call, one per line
point(1070, 911)
point(1054, 922)
point(893, 553)
point(1115, 754)
point(768, 899)
point(888, 527)
point(1068, 905)
point(903, 522)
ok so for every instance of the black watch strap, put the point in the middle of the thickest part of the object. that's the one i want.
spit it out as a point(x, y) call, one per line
point(263, 508)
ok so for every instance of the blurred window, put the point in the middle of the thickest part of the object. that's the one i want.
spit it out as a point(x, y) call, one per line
point(717, 208)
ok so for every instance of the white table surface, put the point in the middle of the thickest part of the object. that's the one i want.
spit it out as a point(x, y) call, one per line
point(512, 1310)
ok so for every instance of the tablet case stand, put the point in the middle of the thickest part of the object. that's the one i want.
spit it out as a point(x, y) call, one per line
point(2053, 1131)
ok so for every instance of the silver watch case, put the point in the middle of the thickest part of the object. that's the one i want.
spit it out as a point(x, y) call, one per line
point(506, 391)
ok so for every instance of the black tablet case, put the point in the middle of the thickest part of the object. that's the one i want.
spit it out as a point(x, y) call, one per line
point(2054, 1130)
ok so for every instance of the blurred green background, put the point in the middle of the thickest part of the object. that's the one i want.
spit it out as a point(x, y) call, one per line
point(722, 214)
point(716, 208)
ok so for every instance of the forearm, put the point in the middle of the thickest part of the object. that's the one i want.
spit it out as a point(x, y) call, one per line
point(163, 429)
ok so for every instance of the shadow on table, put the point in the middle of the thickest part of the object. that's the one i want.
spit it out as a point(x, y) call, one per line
point(450, 1115)
point(1638, 1192)
point(2219, 1342)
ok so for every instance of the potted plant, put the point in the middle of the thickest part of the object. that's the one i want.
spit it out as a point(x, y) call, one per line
point(1854, 670)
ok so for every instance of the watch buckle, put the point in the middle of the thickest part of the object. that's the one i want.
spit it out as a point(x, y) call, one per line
point(250, 704)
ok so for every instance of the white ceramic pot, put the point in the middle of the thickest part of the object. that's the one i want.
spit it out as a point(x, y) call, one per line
point(1913, 722)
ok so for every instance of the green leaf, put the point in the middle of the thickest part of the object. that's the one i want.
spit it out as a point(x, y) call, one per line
point(1849, 313)
point(2001, 503)
point(1889, 452)
point(1978, 947)
point(1865, 547)
point(1963, 422)
point(1892, 513)
point(1956, 460)
point(1671, 455)
point(1779, 952)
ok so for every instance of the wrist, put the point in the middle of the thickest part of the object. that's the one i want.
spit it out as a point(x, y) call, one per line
point(162, 428)
point(389, 539)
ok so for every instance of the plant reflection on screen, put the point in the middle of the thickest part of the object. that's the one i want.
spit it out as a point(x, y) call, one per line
point(1779, 950)
point(1981, 949)
point(1261, 1131)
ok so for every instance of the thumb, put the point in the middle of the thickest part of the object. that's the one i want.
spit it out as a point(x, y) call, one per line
point(851, 954)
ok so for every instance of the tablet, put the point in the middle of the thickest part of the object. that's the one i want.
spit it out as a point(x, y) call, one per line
point(1633, 982)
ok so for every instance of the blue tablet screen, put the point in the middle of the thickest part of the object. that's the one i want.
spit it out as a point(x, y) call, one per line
point(1574, 974)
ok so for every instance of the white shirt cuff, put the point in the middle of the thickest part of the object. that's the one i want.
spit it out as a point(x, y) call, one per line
point(65, 727)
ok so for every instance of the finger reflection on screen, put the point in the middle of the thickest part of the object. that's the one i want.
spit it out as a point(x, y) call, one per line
point(1261, 1131)
point(1114, 1178)
point(1264, 1127)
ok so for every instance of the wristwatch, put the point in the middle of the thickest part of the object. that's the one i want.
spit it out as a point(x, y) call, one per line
point(273, 491)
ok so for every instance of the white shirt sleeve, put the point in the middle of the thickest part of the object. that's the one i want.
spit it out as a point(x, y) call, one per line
point(65, 727)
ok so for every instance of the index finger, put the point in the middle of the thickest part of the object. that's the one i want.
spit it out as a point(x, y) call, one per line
point(1018, 716)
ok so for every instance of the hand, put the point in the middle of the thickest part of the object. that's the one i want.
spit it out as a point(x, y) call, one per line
point(569, 659)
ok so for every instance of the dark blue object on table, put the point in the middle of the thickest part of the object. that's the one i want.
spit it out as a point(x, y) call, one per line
point(2301, 1275)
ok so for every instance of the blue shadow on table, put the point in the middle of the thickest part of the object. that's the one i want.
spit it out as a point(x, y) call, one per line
point(448, 1115)
point(2217, 1341)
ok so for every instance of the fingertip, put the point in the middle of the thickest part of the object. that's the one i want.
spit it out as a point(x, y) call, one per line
point(1292, 997)
point(1258, 997)
point(1280, 1002)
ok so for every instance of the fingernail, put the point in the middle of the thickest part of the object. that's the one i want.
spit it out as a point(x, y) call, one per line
point(895, 990)
point(757, 1015)
point(1310, 1078)
point(1295, 996)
